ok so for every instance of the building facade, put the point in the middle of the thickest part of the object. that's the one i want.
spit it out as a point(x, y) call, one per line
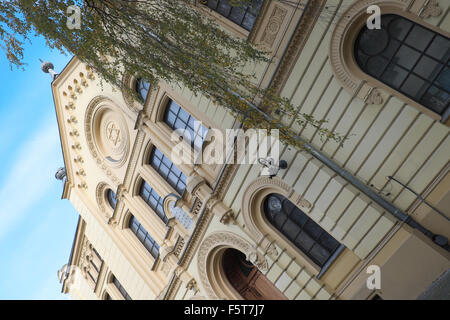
point(340, 215)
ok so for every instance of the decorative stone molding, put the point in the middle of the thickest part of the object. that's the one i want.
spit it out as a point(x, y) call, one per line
point(253, 216)
point(273, 26)
point(347, 28)
point(210, 250)
point(337, 45)
point(192, 285)
point(100, 194)
point(304, 29)
point(85, 257)
point(193, 183)
point(106, 135)
point(431, 9)
point(374, 97)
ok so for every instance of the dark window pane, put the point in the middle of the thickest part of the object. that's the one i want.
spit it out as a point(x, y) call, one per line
point(328, 242)
point(419, 38)
point(304, 241)
point(290, 230)
point(111, 198)
point(436, 99)
point(443, 80)
point(406, 57)
point(417, 60)
point(313, 229)
point(439, 48)
point(394, 76)
point(168, 171)
point(391, 49)
point(319, 254)
point(376, 65)
point(244, 16)
point(427, 68)
point(399, 27)
point(373, 42)
point(414, 87)
point(303, 232)
point(144, 237)
point(224, 8)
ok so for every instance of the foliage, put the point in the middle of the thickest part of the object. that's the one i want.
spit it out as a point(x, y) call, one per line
point(168, 40)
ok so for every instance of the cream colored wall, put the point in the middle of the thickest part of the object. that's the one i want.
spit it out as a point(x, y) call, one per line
point(112, 255)
point(389, 139)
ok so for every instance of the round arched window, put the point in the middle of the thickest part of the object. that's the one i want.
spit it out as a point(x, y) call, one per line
point(297, 227)
point(409, 58)
point(111, 195)
point(142, 88)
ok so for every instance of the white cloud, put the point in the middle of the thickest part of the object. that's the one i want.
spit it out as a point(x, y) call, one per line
point(30, 178)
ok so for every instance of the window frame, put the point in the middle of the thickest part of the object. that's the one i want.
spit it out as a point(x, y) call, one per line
point(409, 71)
point(235, 24)
point(151, 156)
point(333, 255)
point(161, 215)
point(344, 66)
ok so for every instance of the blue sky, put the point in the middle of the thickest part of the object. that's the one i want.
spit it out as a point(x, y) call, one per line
point(36, 226)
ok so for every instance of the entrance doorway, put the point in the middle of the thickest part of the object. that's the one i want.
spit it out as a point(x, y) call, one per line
point(247, 280)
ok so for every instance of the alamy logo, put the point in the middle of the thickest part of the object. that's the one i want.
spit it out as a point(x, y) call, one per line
point(374, 280)
point(230, 146)
point(374, 21)
point(74, 17)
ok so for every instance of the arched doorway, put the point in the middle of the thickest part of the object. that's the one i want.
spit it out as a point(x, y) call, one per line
point(246, 279)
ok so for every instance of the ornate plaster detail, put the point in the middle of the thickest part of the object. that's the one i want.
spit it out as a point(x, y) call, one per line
point(100, 192)
point(251, 208)
point(346, 25)
point(374, 97)
point(85, 257)
point(217, 242)
point(431, 9)
point(132, 163)
point(272, 250)
point(193, 183)
point(274, 25)
point(310, 16)
point(192, 285)
point(106, 135)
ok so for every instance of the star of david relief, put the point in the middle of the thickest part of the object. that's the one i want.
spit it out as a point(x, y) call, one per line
point(113, 134)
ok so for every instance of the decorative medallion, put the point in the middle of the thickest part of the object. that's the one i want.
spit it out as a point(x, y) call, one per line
point(107, 135)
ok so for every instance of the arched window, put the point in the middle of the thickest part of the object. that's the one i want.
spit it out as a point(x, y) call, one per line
point(121, 289)
point(153, 200)
point(244, 16)
point(142, 88)
point(409, 58)
point(112, 200)
point(168, 170)
point(144, 237)
point(178, 118)
point(296, 226)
